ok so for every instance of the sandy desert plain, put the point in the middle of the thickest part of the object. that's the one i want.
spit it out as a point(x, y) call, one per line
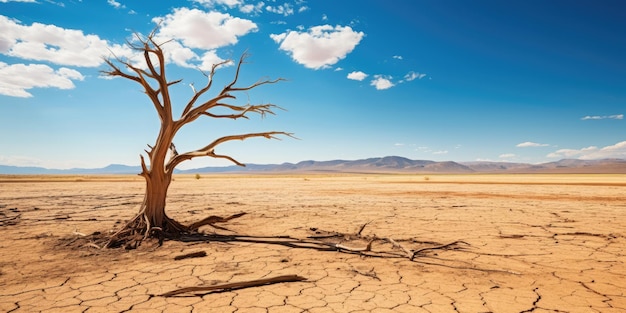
point(523, 243)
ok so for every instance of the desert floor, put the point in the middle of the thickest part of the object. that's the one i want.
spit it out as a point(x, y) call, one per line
point(526, 243)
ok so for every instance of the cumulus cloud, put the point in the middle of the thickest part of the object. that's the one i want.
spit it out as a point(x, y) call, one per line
point(18, 78)
point(203, 30)
point(617, 150)
point(357, 75)
point(50, 43)
point(397, 57)
point(320, 46)
point(381, 82)
point(188, 30)
point(603, 117)
point(531, 144)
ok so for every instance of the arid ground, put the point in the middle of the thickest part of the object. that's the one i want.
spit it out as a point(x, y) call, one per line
point(523, 243)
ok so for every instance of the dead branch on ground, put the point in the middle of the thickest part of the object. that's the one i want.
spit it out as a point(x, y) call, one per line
point(197, 254)
point(236, 285)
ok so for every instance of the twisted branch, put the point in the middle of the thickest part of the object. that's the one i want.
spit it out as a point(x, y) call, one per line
point(209, 150)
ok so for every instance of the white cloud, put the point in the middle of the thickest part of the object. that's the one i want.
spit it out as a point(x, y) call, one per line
point(251, 8)
point(203, 30)
point(381, 82)
point(285, 9)
point(413, 75)
point(357, 75)
point(397, 57)
point(440, 152)
point(16, 79)
point(617, 150)
point(324, 17)
point(115, 4)
point(506, 156)
point(50, 43)
point(603, 117)
point(531, 144)
point(399, 144)
point(321, 46)
point(188, 30)
point(209, 59)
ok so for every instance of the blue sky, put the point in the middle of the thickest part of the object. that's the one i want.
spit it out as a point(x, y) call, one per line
point(518, 81)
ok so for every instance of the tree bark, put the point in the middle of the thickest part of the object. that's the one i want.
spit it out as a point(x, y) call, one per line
point(158, 180)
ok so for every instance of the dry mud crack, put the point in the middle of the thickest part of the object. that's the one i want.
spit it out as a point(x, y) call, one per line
point(533, 247)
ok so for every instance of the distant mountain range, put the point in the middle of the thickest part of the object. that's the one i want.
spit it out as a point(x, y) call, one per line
point(389, 164)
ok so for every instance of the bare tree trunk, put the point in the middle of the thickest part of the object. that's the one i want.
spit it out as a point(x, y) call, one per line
point(153, 206)
point(158, 180)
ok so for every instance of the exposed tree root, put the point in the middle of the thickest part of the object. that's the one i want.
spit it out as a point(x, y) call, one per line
point(236, 285)
point(212, 220)
point(139, 228)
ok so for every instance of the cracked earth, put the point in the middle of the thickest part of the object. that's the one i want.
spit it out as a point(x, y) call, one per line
point(535, 243)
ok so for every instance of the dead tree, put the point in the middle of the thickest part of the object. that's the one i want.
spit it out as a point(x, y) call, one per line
point(151, 220)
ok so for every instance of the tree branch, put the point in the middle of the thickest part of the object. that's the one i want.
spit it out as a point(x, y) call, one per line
point(237, 285)
point(209, 149)
point(140, 78)
point(190, 113)
point(219, 156)
point(144, 168)
point(261, 109)
point(206, 88)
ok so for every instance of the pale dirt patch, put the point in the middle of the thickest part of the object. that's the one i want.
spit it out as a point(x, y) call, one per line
point(537, 243)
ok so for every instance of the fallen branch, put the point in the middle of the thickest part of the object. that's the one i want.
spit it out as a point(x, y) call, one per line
point(78, 234)
point(93, 245)
point(371, 273)
point(418, 251)
point(353, 249)
point(410, 254)
point(10, 220)
point(237, 285)
point(197, 254)
point(361, 229)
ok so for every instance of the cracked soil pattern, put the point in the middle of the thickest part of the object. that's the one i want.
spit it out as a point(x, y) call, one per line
point(551, 243)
